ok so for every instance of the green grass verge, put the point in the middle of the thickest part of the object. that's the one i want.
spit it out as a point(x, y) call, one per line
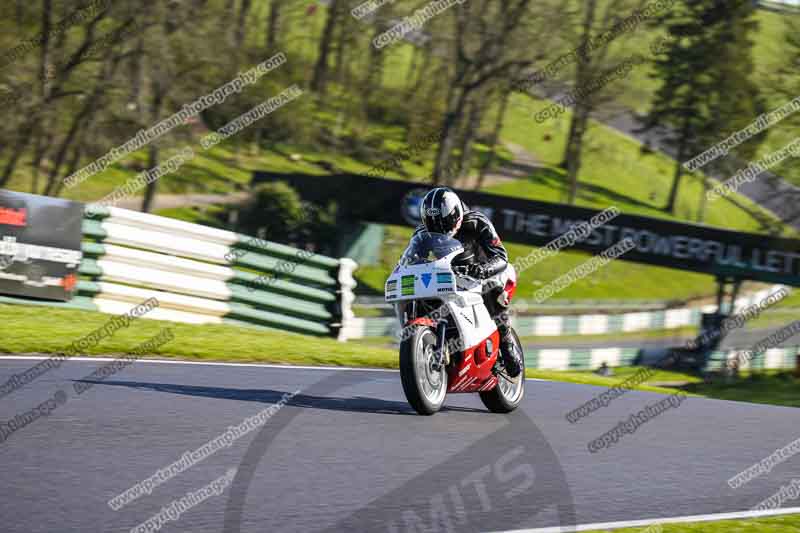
point(655, 334)
point(770, 387)
point(620, 374)
point(779, 524)
point(773, 388)
point(24, 326)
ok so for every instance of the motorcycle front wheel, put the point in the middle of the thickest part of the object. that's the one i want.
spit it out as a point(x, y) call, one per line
point(425, 387)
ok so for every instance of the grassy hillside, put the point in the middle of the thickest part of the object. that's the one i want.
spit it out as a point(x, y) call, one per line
point(615, 171)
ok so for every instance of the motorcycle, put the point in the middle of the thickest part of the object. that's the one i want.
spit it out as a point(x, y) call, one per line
point(449, 341)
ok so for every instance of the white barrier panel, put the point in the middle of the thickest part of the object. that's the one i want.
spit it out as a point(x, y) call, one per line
point(636, 321)
point(169, 300)
point(610, 356)
point(171, 263)
point(593, 324)
point(163, 280)
point(677, 318)
point(165, 243)
point(116, 307)
point(171, 225)
point(549, 326)
point(554, 359)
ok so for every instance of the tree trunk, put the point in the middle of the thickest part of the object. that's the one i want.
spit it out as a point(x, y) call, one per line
point(427, 58)
point(374, 74)
point(16, 154)
point(150, 188)
point(39, 148)
point(321, 67)
point(468, 140)
point(581, 111)
point(673, 193)
point(241, 25)
point(452, 119)
point(682, 145)
point(153, 152)
point(273, 23)
point(45, 48)
point(498, 127)
point(225, 20)
point(572, 157)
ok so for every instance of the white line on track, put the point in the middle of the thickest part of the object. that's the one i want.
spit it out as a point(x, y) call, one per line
point(653, 521)
point(211, 363)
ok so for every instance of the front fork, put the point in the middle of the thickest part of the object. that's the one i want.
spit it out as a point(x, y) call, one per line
point(441, 334)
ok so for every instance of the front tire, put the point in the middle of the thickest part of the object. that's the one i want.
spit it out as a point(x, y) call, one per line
point(424, 387)
point(507, 395)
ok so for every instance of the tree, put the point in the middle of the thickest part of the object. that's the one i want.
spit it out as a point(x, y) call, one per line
point(274, 24)
point(705, 101)
point(491, 43)
point(785, 87)
point(320, 78)
point(591, 65)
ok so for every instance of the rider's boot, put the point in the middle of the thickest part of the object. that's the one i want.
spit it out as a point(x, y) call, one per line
point(512, 359)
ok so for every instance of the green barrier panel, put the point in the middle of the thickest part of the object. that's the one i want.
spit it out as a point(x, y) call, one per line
point(244, 242)
point(278, 302)
point(246, 279)
point(571, 325)
point(304, 270)
point(237, 311)
point(292, 306)
point(658, 320)
point(285, 287)
point(525, 325)
point(616, 323)
point(790, 357)
point(627, 356)
point(93, 248)
point(532, 359)
point(93, 229)
point(281, 321)
point(89, 267)
point(99, 212)
point(284, 292)
point(295, 268)
point(580, 359)
point(78, 302)
point(283, 251)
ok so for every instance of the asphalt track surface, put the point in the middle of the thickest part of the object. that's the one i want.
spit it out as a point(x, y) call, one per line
point(348, 454)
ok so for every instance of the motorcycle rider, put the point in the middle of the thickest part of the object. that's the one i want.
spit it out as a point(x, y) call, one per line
point(484, 258)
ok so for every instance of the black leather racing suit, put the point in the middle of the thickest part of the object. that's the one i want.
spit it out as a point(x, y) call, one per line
point(483, 246)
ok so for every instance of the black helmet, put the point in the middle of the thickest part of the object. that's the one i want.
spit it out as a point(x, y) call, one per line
point(441, 211)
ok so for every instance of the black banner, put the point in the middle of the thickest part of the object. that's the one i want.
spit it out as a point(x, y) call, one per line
point(693, 247)
point(40, 245)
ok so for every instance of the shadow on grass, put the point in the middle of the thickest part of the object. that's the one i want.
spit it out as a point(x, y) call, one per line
point(557, 180)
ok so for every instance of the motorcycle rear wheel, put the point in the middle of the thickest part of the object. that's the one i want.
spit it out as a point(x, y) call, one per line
point(424, 386)
point(507, 395)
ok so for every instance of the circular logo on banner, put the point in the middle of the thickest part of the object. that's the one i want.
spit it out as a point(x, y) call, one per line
point(411, 206)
